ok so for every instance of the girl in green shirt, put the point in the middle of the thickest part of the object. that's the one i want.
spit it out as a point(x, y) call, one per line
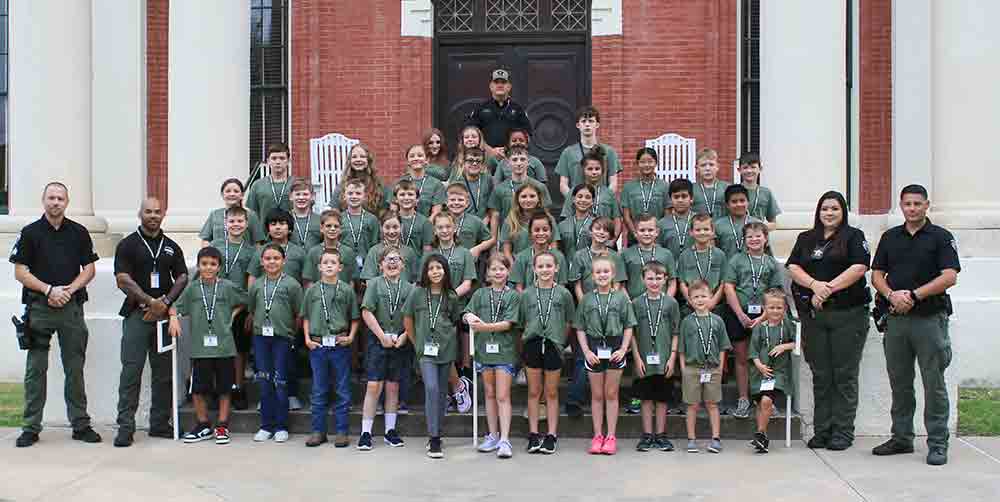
point(575, 230)
point(770, 350)
point(215, 226)
point(540, 227)
point(437, 154)
point(580, 270)
point(361, 163)
point(515, 234)
point(594, 168)
point(644, 195)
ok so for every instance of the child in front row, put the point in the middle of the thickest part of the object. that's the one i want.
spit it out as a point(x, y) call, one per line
point(604, 322)
point(547, 309)
point(770, 348)
point(430, 315)
point(492, 315)
point(702, 346)
point(330, 322)
point(211, 302)
point(654, 353)
point(389, 358)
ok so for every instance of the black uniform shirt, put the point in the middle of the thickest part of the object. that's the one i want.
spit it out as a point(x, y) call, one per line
point(910, 261)
point(824, 263)
point(54, 256)
point(496, 120)
point(133, 257)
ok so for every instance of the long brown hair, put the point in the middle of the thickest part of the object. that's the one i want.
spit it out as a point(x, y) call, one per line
point(374, 190)
point(441, 158)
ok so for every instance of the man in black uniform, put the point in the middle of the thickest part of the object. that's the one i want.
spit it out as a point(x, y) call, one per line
point(914, 266)
point(54, 261)
point(497, 115)
point(150, 270)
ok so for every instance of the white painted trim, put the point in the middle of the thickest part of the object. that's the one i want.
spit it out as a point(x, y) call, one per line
point(855, 139)
point(416, 18)
point(605, 18)
point(739, 79)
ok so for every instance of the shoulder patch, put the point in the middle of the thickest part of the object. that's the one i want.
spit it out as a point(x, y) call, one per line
point(169, 250)
point(13, 247)
point(864, 244)
point(954, 244)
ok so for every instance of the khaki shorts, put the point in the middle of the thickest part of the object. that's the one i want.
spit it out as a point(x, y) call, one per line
point(695, 392)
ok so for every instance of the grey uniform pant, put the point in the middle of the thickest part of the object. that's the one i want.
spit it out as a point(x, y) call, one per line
point(138, 343)
point(69, 325)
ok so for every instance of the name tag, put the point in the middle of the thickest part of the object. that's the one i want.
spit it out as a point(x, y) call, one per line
point(653, 359)
point(154, 280)
point(706, 376)
point(754, 309)
point(431, 349)
point(604, 353)
point(211, 341)
point(492, 348)
point(267, 329)
point(392, 337)
point(767, 384)
point(329, 341)
point(360, 261)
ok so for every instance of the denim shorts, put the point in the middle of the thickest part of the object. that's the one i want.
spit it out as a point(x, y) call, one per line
point(509, 368)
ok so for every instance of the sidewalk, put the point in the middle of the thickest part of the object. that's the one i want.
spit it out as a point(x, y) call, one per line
point(60, 469)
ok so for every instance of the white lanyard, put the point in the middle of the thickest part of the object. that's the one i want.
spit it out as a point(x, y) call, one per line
point(451, 253)
point(653, 327)
point(578, 230)
point(736, 237)
point(597, 202)
point(209, 309)
point(755, 276)
point(646, 197)
point(496, 306)
point(543, 318)
point(461, 223)
point(420, 189)
point(709, 202)
point(393, 302)
point(472, 195)
point(434, 313)
point(767, 336)
point(356, 237)
point(278, 198)
point(706, 345)
point(322, 294)
point(304, 232)
point(756, 199)
point(697, 262)
point(409, 235)
point(652, 255)
point(603, 314)
point(270, 301)
point(682, 236)
point(155, 256)
point(229, 264)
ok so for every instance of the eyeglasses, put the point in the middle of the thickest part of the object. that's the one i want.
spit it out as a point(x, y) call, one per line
point(473, 161)
point(393, 259)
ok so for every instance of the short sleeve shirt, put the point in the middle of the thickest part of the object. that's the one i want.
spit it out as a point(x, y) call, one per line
point(348, 263)
point(236, 259)
point(461, 266)
point(502, 198)
point(910, 261)
point(416, 232)
point(569, 163)
point(479, 193)
point(307, 232)
point(574, 234)
point(385, 299)
point(195, 302)
point(430, 192)
point(547, 313)
point(605, 317)
point(710, 200)
point(657, 322)
point(636, 258)
point(762, 204)
point(266, 194)
point(471, 231)
point(752, 275)
point(580, 269)
point(493, 307)
point(644, 197)
point(766, 337)
point(692, 341)
point(54, 256)
point(435, 318)
point(824, 262)
point(524, 267)
point(729, 234)
point(372, 270)
point(295, 258)
point(133, 257)
point(359, 232)
point(536, 170)
point(674, 233)
point(709, 266)
point(215, 227)
point(341, 308)
point(605, 204)
point(278, 300)
point(522, 239)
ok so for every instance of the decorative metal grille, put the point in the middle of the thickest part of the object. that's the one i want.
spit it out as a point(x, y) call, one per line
point(454, 16)
point(569, 15)
point(511, 15)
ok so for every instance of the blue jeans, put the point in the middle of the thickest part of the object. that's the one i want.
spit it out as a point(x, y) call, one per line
point(272, 378)
point(330, 365)
point(578, 387)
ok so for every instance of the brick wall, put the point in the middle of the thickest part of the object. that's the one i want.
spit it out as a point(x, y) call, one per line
point(157, 20)
point(875, 53)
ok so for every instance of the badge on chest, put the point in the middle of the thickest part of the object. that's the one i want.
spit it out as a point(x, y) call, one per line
point(767, 384)
point(653, 359)
point(431, 349)
point(492, 348)
point(706, 376)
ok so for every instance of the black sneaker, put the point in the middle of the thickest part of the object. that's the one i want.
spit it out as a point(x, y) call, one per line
point(365, 441)
point(534, 442)
point(634, 407)
point(222, 434)
point(548, 445)
point(200, 432)
point(392, 439)
point(819, 443)
point(123, 439)
point(664, 444)
point(434, 448)
point(838, 444)
point(892, 447)
point(26, 439)
point(165, 433)
point(646, 442)
point(937, 456)
point(87, 435)
point(239, 398)
point(760, 442)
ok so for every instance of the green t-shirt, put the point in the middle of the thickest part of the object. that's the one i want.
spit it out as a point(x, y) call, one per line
point(536, 170)
point(580, 270)
point(547, 313)
point(341, 307)
point(674, 233)
point(435, 319)
point(604, 317)
point(764, 339)
point(642, 197)
point(359, 232)
point(430, 192)
point(461, 266)
point(742, 271)
point(479, 193)
point(348, 261)
point(372, 267)
point(710, 200)
point(285, 299)
point(569, 163)
point(215, 227)
point(605, 204)
point(713, 332)
point(442, 173)
point(307, 232)
point(522, 239)
point(339, 202)
point(385, 299)
point(236, 260)
point(709, 266)
point(635, 258)
point(574, 234)
point(472, 231)
point(192, 303)
point(416, 232)
point(524, 269)
point(729, 234)
point(662, 315)
point(493, 307)
point(295, 257)
point(265, 194)
point(502, 198)
point(762, 204)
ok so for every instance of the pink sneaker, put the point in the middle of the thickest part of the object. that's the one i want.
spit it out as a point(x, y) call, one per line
point(596, 445)
point(610, 446)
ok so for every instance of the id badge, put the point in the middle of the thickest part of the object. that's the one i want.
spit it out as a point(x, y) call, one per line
point(267, 329)
point(604, 353)
point(211, 341)
point(767, 384)
point(754, 309)
point(329, 341)
point(154, 280)
point(492, 348)
point(653, 359)
point(392, 337)
point(431, 349)
point(360, 260)
point(706, 376)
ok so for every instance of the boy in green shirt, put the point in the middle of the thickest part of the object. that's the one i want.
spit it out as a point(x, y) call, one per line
point(588, 121)
point(391, 230)
point(647, 251)
point(702, 346)
point(477, 183)
point(215, 226)
point(708, 195)
point(763, 204)
point(675, 224)
point(502, 198)
point(502, 171)
point(279, 223)
point(729, 228)
point(770, 349)
point(416, 229)
point(429, 192)
point(470, 231)
point(331, 224)
point(703, 262)
point(211, 303)
point(330, 321)
point(271, 192)
point(307, 232)
point(360, 227)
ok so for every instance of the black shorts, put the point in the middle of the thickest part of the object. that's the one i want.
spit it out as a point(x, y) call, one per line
point(777, 396)
point(613, 342)
point(212, 375)
point(382, 364)
point(242, 339)
point(652, 388)
point(734, 328)
point(542, 353)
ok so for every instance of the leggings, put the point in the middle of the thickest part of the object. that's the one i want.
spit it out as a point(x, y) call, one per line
point(435, 377)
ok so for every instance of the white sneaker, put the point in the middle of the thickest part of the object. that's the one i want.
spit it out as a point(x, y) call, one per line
point(262, 435)
point(463, 400)
point(490, 443)
point(522, 378)
point(294, 403)
point(280, 436)
point(504, 450)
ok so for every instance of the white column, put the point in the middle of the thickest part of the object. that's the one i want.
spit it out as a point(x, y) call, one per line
point(802, 103)
point(119, 110)
point(209, 105)
point(912, 139)
point(50, 103)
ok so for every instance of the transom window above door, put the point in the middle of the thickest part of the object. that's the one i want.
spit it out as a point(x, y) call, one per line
point(505, 16)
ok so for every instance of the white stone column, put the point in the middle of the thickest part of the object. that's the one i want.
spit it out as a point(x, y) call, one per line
point(119, 111)
point(802, 103)
point(50, 105)
point(912, 139)
point(209, 105)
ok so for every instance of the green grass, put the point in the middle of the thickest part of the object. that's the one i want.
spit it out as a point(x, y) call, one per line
point(979, 412)
point(11, 404)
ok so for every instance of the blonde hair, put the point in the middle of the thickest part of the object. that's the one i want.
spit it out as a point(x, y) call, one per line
point(459, 159)
point(443, 214)
point(374, 190)
point(515, 216)
point(706, 153)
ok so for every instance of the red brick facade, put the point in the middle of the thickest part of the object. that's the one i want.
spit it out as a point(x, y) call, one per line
point(157, 21)
point(875, 132)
